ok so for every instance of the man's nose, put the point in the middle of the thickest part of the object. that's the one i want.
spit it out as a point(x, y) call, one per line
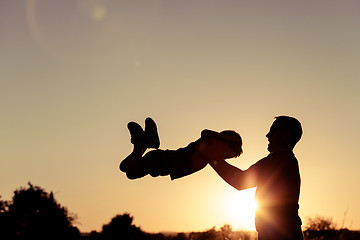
point(268, 135)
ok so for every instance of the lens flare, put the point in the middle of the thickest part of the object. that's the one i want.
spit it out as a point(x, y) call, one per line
point(71, 36)
point(239, 208)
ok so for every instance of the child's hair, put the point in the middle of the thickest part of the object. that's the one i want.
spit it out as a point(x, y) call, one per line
point(235, 142)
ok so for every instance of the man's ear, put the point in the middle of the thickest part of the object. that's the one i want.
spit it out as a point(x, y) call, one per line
point(287, 138)
point(287, 135)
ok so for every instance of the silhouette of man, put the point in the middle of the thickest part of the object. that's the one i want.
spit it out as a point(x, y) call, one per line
point(277, 179)
point(211, 146)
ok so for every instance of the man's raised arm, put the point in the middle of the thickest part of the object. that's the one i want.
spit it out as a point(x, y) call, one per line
point(234, 176)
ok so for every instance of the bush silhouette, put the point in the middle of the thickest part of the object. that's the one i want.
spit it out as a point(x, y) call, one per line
point(35, 214)
point(321, 228)
point(121, 227)
point(320, 223)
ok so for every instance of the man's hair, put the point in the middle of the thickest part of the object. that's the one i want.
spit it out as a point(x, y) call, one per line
point(235, 142)
point(292, 125)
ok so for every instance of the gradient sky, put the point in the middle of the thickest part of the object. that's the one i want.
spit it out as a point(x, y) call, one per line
point(73, 73)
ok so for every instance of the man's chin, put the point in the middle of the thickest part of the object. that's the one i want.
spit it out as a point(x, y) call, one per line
point(271, 149)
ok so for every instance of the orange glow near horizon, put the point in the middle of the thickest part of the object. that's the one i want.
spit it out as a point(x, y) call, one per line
point(238, 208)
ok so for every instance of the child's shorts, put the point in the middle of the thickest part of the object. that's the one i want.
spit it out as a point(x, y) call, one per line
point(177, 163)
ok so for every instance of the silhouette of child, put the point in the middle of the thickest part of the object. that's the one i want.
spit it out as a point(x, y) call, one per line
point(210, 147)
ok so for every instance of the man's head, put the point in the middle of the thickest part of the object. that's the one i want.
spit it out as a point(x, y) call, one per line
point(284, 133)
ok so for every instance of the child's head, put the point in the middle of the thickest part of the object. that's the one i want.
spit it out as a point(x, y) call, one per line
point(221, 145)
point(233, 139)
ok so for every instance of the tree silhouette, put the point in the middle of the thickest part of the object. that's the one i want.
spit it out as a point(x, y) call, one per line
point(35, 214)
point(121, 227)
point(3, 205)
point(7, 229)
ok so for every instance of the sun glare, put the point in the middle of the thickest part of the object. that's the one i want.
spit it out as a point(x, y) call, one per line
point(239, 209)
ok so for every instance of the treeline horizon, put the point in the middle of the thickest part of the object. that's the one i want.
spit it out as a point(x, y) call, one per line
point(34, 213)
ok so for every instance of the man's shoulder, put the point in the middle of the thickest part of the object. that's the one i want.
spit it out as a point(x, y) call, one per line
point(272, 160)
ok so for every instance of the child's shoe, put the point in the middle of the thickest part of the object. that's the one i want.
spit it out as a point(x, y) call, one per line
point(151, 133)
point(137, 134)
point(136, 154)
point(140, 141)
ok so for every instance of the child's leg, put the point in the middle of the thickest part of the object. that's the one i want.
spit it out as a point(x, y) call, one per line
point(141, 140)
point(129, 162)
point(186, 161)
point(138, 139)
point(137, 166)
point(155, 163)
point(176, 163)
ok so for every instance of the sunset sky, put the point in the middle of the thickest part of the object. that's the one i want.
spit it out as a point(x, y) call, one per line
point(73, 73)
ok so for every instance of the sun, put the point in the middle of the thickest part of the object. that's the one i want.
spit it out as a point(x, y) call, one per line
point(238, 208)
